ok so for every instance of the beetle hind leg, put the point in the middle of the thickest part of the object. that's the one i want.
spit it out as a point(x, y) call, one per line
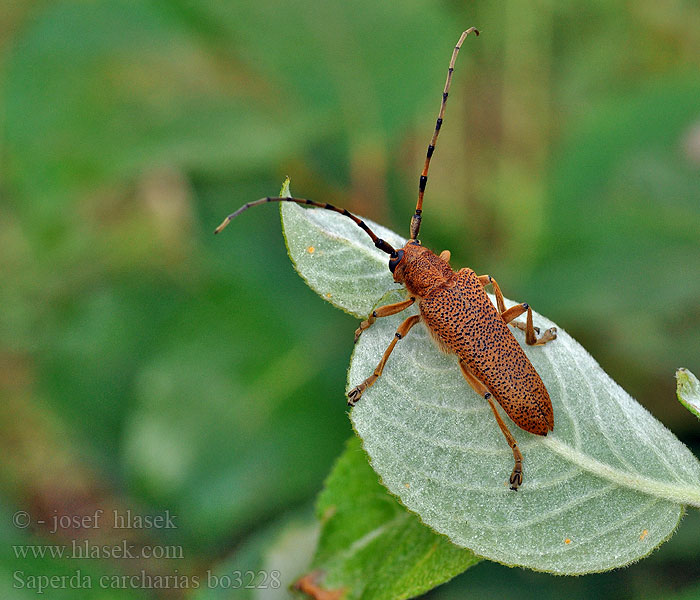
point(531, 332)
point(516, 477)
point(513, 312)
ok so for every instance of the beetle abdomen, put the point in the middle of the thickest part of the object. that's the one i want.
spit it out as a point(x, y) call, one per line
point(463, 319)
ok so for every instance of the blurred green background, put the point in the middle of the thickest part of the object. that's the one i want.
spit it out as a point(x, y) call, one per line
point(147, 365)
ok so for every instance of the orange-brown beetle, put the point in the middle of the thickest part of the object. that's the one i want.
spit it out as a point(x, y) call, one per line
point(460, 317)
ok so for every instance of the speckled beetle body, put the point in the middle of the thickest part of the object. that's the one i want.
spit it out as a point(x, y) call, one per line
point(463, 320)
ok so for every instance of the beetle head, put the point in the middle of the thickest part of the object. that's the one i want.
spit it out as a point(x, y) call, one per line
point(418, 268)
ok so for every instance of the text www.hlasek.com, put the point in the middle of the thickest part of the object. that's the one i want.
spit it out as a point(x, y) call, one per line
point(85, 549)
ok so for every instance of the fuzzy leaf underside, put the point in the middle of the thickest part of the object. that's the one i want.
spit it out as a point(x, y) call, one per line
point(688, 390)
point(605, 488)
point(333, 261)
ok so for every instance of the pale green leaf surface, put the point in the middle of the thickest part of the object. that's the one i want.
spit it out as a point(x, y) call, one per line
point(610, 479)
point(688, 390)
point(340, 263)
point(370, 546)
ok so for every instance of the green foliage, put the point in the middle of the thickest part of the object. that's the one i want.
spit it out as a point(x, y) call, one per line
point(370, 546)
point(601, 491)
point(688, 391)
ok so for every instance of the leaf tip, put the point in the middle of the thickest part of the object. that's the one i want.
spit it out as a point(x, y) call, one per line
point(285, 192)
point(688, 390)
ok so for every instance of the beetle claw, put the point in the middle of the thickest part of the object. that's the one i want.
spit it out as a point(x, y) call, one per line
point(354, 395)
point(551, 334)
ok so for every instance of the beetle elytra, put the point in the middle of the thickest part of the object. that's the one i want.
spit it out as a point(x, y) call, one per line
point(459, 315)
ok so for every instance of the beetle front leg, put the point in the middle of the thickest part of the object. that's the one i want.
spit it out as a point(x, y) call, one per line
point(356, 393)
point(383, 311)
point(516, 477)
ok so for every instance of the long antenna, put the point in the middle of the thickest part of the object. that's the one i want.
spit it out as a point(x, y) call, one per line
point(378, 242)
point(415, 220)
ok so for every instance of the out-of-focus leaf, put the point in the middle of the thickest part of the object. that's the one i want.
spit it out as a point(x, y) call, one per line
point(220, 449)
point(102, 91)
point(601, 491)
point(623, 223)
point(266, 564)
point(372, 70)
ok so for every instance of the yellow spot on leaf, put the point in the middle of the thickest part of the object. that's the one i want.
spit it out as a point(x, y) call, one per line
point(329, 295)
point(311, 249)
point(407, 485)
point(567, 541)
point(644, 534)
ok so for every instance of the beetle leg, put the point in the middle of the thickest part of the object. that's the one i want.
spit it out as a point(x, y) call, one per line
point(383, 311)
point(356, 393)
point(530, 332)
point(508, 315)
point(445, 255)
point(485, 280)
point(516, 477)
point(515, 311)
point(531, 339)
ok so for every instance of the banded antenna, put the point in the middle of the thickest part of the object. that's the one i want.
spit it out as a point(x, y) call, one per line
point(415, 220)
point(378, 242)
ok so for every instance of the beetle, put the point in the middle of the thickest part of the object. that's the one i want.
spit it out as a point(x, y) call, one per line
point(462, 320)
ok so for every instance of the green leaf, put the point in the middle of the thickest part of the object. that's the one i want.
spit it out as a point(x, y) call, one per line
point(370, 546)
point(601, 491)
point(340, 263)
point(688, 390)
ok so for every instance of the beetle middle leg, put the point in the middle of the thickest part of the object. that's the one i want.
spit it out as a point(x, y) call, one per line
point(383, 311)
point(356, 393)
point(513, 312)
point(516, 477)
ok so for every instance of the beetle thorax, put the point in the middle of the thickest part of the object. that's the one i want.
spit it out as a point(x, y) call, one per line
point(421, 270)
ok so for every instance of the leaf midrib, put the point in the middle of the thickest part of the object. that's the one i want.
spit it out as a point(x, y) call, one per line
point(682, 494)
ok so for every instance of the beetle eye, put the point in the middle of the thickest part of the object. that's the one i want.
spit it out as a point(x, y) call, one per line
point(395, 260)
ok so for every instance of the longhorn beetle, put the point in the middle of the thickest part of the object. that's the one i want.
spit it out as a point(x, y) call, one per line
point(459, 316)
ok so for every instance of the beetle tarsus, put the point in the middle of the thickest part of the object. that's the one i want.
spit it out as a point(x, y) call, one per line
point(355, 394)
point(516, 477)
